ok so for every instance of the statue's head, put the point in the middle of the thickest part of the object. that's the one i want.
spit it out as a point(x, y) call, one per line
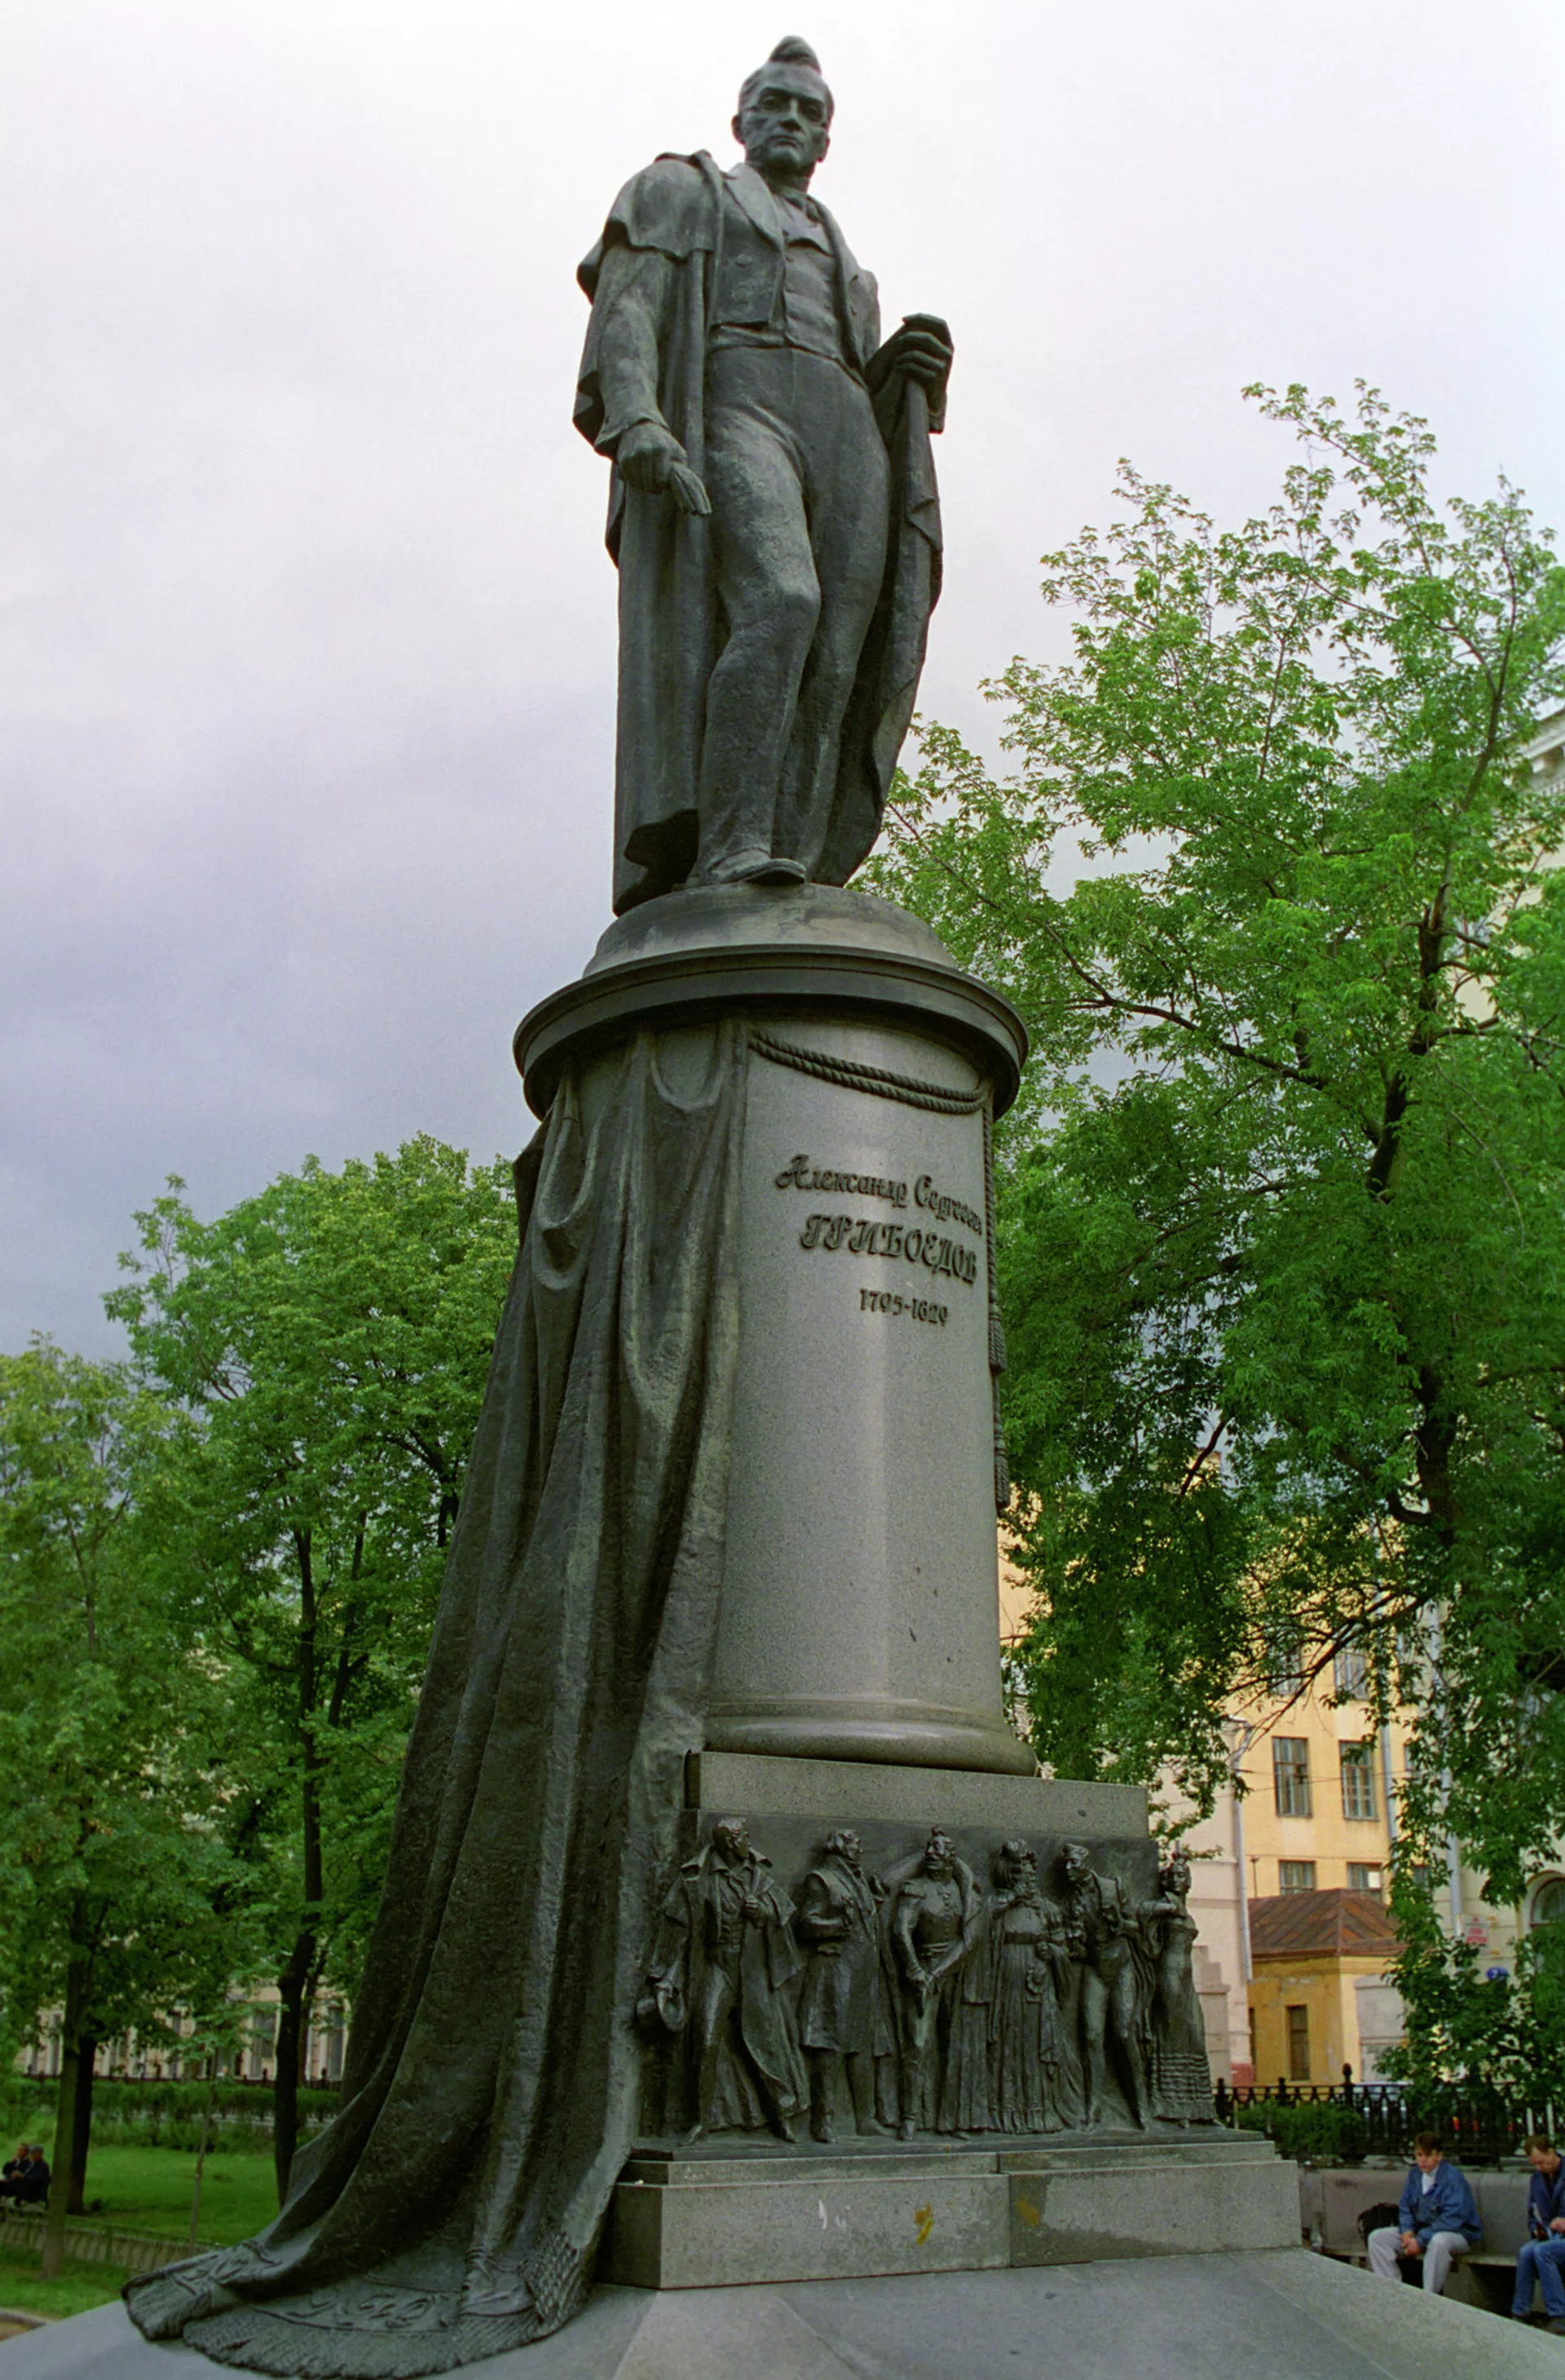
point(1077, 1861)
point(939, 1853)
point(1174, 1874)
point(731, 1840)
point(1017, 1862)
point(784, 119)
point(845, 1844)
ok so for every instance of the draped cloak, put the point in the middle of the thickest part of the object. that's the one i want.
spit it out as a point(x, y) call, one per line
point(490, 2097)
point(671, 630)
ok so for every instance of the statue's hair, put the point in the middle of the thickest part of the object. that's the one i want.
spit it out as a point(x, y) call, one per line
point(791, 51)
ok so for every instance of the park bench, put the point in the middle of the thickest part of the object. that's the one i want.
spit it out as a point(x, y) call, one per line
point(1332, 2198)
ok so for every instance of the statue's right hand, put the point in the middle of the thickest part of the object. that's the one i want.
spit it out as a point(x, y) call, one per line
point(651, 458)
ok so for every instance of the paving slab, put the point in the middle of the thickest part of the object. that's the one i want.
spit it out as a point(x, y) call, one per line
point(1282, 2314)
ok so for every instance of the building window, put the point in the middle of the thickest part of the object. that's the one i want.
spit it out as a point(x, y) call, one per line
point(1350, 1674)
point(1296, 1876)
point(1548, 1901)
point(1285, 1662)
point(1290, 1774)
point(1358, 1781)
point(263, 2041)
point(1298, 2044)
point(1361, 1878)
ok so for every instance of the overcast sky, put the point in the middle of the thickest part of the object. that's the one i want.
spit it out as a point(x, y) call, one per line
point(308, 630)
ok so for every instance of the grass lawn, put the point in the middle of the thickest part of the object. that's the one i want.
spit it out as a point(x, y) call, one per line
point(149, 2190)
point(77, 2290)
point(143, 2189)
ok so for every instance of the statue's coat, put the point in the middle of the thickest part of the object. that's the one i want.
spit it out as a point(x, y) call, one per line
point(651, 279)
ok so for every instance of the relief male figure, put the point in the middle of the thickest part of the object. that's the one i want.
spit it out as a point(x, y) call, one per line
point(1099, 1911)
point(773, 510)
point(842, 2022)
point(725, 1958)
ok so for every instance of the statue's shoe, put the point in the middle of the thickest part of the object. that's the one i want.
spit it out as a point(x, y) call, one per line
point(756, 867)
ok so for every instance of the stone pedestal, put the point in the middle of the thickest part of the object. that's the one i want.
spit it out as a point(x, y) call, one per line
point(689, 2222)
point(859, 1597)
point(937, 2008)
point(749, 2206)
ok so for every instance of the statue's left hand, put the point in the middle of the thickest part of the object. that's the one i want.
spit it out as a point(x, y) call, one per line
point(920, 350)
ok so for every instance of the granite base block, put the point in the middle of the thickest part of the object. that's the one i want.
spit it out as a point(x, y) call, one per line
point(701, 2223)
point(861, 1791)
point(691, 2235)
point(1103, 2206)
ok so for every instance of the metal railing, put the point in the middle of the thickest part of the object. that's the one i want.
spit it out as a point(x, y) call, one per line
point(1477, 2123)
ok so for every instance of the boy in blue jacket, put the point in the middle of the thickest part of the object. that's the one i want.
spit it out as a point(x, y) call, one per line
point(1437, 2220)
point(1544, 2253)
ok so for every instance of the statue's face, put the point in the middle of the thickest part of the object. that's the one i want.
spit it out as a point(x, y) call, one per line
point(938, 1859)
point(733, 1838)
point(786, 128)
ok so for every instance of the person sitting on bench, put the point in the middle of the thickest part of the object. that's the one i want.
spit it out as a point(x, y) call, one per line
point(1437, 2221)
point(26, 2178)
point(1543, 2256)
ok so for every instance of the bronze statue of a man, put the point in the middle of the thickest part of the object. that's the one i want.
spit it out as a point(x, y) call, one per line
point(773, 510)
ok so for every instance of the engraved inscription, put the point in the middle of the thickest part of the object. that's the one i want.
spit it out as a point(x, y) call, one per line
point(914, 1309)
point(861, 1237)
point(800, 1175)
point(944, 1208)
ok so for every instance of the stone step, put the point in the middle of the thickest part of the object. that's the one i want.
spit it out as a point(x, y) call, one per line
point(823, 2165)
point(1226, 2149)
point(774, 2161)
point(700, 2223)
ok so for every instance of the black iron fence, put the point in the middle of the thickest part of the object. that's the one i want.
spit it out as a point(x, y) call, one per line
point(1475, 2122)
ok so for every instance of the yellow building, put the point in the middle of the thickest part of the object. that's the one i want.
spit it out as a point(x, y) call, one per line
point(1316, 1957)
point(1315, 1818)
point(1320, 1780)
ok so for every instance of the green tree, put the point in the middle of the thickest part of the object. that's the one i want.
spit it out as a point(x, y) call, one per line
point(109, 1834)
point(1282, 1211)
point(329, 1340)
point(1471, 2026)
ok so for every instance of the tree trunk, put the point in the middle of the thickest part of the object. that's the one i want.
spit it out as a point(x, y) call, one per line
point(297, 1982)
point(81, 2130)
point(200, 2159)
point(79, 1976)
point(294, 1983)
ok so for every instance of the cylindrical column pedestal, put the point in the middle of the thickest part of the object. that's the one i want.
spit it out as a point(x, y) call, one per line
point(859, 1611)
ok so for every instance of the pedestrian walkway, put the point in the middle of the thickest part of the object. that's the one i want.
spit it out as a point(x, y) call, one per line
point(1282, 2314)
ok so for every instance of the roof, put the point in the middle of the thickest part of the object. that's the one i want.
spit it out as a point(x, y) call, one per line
point(1330, 1925)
